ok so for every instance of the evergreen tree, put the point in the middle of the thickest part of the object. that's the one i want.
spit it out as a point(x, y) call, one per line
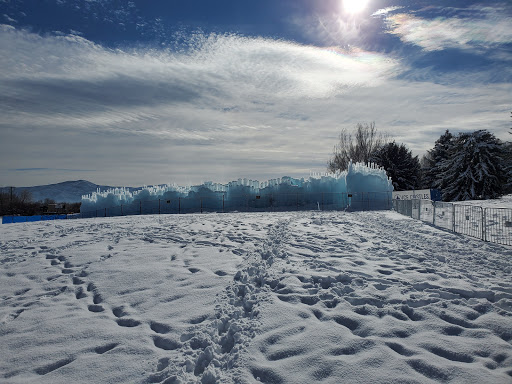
point(508, 163)
point(400, 165)
point(507, 146)
point(434, 160)
point(426, 164)
point(475, 168)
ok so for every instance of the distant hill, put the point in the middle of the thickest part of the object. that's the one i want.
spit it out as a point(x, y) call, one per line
point(68, 191)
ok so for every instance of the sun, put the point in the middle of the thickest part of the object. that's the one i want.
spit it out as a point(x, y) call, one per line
point(354, 6)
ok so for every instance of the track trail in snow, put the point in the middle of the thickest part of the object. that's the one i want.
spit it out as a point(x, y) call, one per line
point(64, 264)
point(220, 341)
point(385, 284)
point(241, 298)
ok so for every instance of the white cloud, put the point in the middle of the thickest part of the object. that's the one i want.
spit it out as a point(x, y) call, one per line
point(232, 106)
point(385, 11)
point(491, 28)
point(335, 28)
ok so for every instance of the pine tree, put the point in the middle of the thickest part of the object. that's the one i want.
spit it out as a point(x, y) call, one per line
point(433, 161)
point(400, 165)
point(508, 163)
point(475, 168)
point(507, 160)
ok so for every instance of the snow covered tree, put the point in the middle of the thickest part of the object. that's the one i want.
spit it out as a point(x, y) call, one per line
point(508, 163)
point(433, 161)
point(358, 147)
point(400, 165)
point(426, 164)
point(507, 157)
point(475, 168)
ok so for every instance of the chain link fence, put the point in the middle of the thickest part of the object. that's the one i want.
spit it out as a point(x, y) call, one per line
point(226, 202)
point(489, 224)
point(279, 202)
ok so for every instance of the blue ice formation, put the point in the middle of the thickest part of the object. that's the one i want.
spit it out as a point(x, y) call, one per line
point(360, 187)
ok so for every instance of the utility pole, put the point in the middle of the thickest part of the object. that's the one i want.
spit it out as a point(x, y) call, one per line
point(2, 212)
point(10, 202)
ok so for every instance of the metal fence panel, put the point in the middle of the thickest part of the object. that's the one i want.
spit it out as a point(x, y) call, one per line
point(403, 207)
point(468, 220)
point(498, 225)
point(443, 215)
point(426, 211)
point(488, 224)
point(416, 209)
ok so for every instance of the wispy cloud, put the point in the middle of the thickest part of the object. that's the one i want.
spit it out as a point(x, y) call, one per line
point(229, 106)
point(51, 169)
point(335, 28)
point(63, 81)
point(385, 11)
point(486, 28)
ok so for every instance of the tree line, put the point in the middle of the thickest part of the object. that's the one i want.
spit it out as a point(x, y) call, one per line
point(20, 203)
point(468, 166)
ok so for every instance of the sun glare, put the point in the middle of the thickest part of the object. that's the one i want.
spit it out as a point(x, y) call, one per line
point(354, 6)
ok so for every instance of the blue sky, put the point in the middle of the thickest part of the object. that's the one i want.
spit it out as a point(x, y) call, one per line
point(148, 92)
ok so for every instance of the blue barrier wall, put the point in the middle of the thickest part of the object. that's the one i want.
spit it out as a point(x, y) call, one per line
point(28, 219)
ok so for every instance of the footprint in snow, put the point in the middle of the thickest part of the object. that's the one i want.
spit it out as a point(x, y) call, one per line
point(105, 348)
point(165, 343)
point(54, 366)
point(129, 323)
point(119, 312)
point(95, 308)
point(159, 327)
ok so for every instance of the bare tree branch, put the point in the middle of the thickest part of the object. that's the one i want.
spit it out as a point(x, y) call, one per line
point(358, 147)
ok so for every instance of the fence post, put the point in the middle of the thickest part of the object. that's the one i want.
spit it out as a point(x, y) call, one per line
point(434, 214)
point(140, 207)
point(454, 207)
point(201, 202)
point(105, 212)
point(419, 210)
point(484, 232)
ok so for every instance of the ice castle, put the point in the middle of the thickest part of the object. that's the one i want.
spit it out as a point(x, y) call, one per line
point(360, 187)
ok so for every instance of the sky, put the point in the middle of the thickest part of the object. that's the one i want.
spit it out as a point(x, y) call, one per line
point(169, 91)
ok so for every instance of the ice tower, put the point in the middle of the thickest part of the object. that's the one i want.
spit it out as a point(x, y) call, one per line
point(360, 187)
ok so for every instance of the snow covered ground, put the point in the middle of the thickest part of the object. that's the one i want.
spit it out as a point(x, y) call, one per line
point(299, 297)
point(502, 202)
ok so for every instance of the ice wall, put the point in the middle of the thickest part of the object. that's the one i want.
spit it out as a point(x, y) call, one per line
point(360, 187)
